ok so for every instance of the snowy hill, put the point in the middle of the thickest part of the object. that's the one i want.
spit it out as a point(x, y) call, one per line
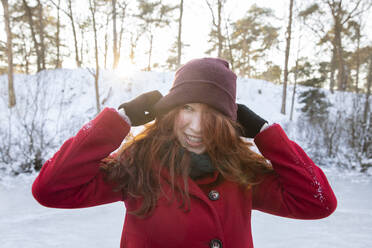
point(53, 104)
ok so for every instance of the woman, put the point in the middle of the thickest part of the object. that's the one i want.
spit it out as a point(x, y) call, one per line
point(189, 179)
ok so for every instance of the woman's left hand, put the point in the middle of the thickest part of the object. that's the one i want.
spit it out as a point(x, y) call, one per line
point(251, 122)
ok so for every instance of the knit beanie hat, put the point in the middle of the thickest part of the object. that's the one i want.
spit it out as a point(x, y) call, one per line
point(206, 80)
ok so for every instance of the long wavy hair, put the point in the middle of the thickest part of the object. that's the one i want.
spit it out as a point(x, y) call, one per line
point(136, 168)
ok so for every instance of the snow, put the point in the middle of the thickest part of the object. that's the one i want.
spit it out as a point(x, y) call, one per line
point(349, 226)
point(57, 103)
point(25, 223)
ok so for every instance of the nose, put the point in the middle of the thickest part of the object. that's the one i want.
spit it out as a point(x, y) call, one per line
point(195, 123)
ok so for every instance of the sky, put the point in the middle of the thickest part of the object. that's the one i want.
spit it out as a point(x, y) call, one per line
point(197, 23)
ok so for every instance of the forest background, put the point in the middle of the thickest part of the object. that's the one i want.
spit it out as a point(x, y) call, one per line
point(325, 45)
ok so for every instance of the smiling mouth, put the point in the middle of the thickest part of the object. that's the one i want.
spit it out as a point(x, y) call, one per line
point(193, 141)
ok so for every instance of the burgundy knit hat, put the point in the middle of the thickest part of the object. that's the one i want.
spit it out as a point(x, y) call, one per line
point(206, 80)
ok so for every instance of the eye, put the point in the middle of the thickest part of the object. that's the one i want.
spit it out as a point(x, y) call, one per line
point(187, 107)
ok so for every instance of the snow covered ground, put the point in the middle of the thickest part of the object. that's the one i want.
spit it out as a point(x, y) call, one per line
point(24, 223)
point(58, 102)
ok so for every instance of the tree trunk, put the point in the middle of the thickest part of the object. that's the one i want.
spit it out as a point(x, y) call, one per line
point(82, 32)
point(332, 70)
point(115, 36)
point(357, 61)
point(121, 29)
point(342, 77)
point(41, 35)
point(11, 93)
point(96, 76)
point(294, 90)
point(26, 54)
point(248, 63)
point(121, 35)
point(179, 40)
point(219, 29)
point(369, 84)
point(71, 16)
point(150, 52)
point(288, 46)
point(133, 43)
point(58, 62)
point(106, 43)
point(33, 34)
point(229, 46)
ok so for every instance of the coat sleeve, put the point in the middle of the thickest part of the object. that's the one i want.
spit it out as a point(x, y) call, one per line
point(71, 178)
point(298, 188)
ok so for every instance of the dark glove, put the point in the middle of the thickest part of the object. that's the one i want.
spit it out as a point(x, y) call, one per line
point(251, 122)
point(140, 109)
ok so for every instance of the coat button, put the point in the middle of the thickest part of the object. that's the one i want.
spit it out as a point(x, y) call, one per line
point(215, 243)
point(214, 195)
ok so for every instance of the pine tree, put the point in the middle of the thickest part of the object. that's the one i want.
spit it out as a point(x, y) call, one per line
point(252, 37)
point(315, 103)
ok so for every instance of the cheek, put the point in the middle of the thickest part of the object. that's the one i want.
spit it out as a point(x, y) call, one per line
point(180, 122)
point(180, 125)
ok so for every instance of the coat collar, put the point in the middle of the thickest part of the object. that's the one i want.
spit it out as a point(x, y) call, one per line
point(208, 179)
point(194, 188)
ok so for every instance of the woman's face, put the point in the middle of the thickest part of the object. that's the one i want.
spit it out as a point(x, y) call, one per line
point(188, 128)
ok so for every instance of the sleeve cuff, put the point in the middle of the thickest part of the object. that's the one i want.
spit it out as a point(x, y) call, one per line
point(264, 126)
point(123, 115)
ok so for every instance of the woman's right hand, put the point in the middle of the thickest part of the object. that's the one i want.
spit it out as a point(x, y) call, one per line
point(140, 110)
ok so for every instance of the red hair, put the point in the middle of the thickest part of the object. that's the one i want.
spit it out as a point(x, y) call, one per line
point(135, 174)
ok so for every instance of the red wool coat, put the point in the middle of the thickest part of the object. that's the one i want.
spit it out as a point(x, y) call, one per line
point(219, 216)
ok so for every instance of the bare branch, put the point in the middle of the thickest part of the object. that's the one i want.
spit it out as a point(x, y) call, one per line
point(211, 9)
point(355, 13)
point(350, 15)
point(64, 11)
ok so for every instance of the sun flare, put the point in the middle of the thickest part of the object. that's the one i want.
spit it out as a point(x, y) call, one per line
point(126, 68)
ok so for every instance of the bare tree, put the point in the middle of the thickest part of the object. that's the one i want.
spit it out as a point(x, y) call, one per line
point(356, 27)
point(134, 37)
point(42, 49)
point(153, 15)
point(11, 93)
point(118, 11)
point(229, 46)
point(71, 16)
point(84, 26)
point(93, 10)
point(33, 34)
point(106, 44)
point(115, 35)
point(122, 5)
point(179, 39)
point(341, 13)
point(294, 91)
point(295, 78)
point(288, 46)
point(217, 24)
point(369, 84)
point(58, 43)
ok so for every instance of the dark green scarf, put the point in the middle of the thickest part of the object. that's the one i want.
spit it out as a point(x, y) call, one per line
point(200, 166)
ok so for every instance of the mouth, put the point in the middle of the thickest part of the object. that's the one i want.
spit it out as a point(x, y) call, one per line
point(193, 141)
